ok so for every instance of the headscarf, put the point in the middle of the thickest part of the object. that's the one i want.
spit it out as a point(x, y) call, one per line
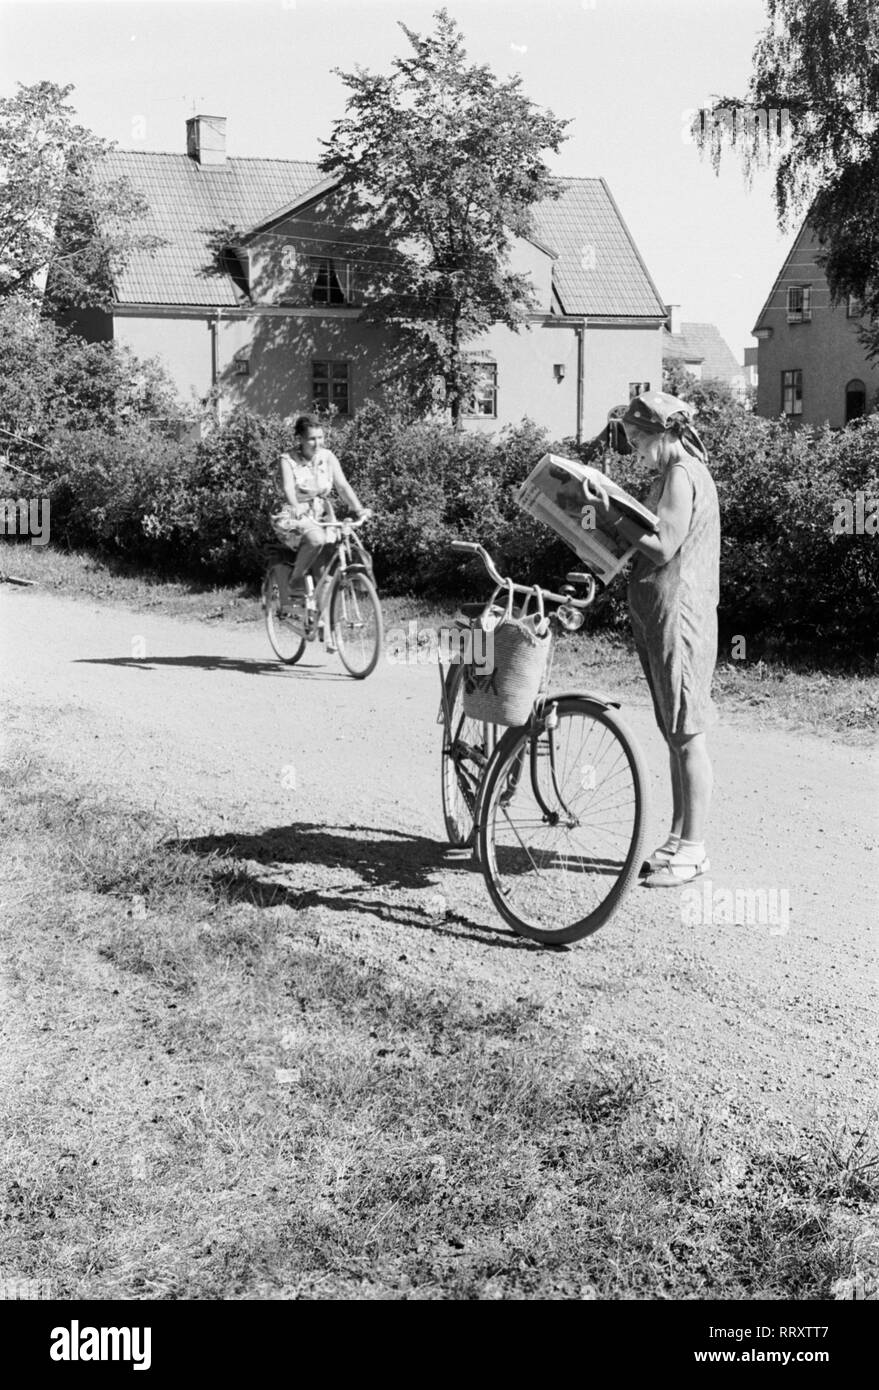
point(657, 411)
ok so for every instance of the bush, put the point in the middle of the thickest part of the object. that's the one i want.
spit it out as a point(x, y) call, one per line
point(788, 583)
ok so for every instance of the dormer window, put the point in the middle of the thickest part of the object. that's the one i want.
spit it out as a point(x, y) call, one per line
point(799, 304)
point(332, 280)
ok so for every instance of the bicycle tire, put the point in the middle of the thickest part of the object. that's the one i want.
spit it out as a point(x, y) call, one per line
point(279, 631)
point(459, 783)
point(349, 584)
point(507, 762)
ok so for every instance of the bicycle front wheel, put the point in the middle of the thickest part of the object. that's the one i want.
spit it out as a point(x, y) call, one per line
point(356, 623)
point(467, 747)
point(286, 641)
point(563, 821)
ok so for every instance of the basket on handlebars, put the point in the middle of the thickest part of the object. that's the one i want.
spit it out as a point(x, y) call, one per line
point(503, 687)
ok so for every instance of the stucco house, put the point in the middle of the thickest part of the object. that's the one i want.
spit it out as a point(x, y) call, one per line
point(811, 365)
point(701, 349)
point(278, 323)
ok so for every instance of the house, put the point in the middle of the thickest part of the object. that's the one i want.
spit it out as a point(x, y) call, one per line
point(275, 321)
point(812, 366)
point(700, 348)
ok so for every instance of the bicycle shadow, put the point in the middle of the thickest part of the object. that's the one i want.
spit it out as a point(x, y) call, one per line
point(377, 862)
point(252, 667)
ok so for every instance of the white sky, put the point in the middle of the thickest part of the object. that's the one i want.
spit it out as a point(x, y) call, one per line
point(623, 70)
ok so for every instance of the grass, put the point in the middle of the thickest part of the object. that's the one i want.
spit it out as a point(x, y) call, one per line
point(793, 696)
point(211, 1101)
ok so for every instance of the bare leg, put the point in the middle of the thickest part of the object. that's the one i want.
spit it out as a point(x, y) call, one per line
point(696, 781)
point(677, 791)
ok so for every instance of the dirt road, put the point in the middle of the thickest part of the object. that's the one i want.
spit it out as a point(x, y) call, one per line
point(332, 786)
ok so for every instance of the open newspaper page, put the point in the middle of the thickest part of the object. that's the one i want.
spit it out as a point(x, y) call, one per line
point(553, 493)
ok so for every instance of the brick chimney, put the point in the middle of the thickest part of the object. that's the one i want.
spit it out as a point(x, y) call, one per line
point(674, 317)
point(206, 140)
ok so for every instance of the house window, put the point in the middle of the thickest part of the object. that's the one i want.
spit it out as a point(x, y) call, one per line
point(799, 303)
point(855, 400)
point(330, 384)
point(484, 398)
point(637, 388)
point(854, 307)
point(331, 280)
point(792, 392)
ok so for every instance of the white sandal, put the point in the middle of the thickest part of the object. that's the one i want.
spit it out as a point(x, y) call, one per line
point(672, 875)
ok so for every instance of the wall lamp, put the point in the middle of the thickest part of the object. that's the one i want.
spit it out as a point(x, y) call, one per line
point(559, 369)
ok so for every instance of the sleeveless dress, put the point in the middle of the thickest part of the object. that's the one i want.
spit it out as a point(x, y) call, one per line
point(673, 609)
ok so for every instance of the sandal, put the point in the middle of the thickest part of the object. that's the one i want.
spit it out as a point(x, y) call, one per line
point(658, 860)
point(672, 875)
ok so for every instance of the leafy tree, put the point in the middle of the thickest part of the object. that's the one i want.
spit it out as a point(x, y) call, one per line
point(54, 380)
point(64, 228)
point(439, 163)
point(818, 61)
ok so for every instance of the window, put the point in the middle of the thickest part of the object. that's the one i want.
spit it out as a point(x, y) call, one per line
point(799, 303)
point(792, 392)
point(637, 388)
point(330, 382)
point(484, 398)
point(331, 280)
point(855, 400)
point(854, 307)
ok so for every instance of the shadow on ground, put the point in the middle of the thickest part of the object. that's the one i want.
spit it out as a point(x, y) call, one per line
point(262, 870)
point(253, 667)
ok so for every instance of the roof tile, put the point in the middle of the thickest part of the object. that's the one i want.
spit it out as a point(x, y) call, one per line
point(598, 271)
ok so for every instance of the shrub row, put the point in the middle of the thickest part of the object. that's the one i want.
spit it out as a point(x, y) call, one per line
point(120, 481)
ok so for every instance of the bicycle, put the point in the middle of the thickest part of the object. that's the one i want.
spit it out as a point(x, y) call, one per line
point(555, 808)
point(342, 610)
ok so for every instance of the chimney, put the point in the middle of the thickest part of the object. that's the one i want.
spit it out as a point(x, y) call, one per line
point(206, 140)
point(674, 317)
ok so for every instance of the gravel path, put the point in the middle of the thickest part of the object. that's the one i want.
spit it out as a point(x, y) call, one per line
point(335, 782)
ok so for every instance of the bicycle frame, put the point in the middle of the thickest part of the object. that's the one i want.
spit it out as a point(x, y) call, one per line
point(340, 562)
point(543, 712)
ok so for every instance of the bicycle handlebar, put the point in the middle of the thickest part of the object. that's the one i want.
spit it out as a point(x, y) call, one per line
point(352, 524)
point(473, 548)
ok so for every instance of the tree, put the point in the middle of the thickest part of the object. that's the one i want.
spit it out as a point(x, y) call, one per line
point(64, 229)
point(439, 164)
point(818, 62)
point(53, 380)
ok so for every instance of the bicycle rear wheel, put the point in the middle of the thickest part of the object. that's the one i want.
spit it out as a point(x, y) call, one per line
point(356, 623)
point(286, 641)
point(563, 822)
point(467, 747)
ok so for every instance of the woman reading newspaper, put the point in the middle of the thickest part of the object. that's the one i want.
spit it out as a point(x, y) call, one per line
point(673, 593)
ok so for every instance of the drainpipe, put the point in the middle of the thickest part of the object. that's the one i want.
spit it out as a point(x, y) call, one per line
point(215, 359)
point(581, 359)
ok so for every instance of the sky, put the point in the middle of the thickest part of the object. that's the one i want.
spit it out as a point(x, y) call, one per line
point(623, 72)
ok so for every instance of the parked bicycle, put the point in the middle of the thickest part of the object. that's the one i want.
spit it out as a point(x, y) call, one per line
point(342, 610)
point(555, 805)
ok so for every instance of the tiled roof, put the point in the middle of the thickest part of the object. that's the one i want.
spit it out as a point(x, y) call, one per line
point(701, 342)
point(598, 270)
point(187, 203)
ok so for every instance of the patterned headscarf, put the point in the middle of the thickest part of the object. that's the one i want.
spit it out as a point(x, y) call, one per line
point(657, 411)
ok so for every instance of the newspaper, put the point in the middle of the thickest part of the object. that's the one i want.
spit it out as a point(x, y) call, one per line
point(553, 493)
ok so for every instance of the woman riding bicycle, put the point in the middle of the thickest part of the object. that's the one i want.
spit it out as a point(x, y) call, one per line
point(308, 476)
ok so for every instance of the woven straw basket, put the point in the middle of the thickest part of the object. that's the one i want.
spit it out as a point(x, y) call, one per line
point(506, 693)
